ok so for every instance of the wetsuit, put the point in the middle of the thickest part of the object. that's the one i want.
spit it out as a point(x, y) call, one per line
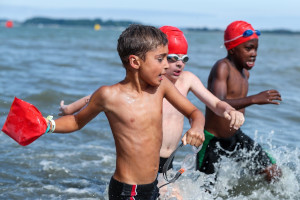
point(123, 191)
point(213, 148)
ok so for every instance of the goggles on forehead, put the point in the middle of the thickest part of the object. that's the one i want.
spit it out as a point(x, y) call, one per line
point(175, 58)
point(247, 33)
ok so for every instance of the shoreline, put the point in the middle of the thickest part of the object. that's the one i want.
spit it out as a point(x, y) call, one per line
point(51, 22)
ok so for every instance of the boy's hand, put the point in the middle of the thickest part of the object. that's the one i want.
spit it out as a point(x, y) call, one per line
point(193, 137)
point(63, 109)
point(267, 97)
point(236, 118)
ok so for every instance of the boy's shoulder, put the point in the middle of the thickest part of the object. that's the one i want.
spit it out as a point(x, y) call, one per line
point(106, 91)
point(221, 69)
point(222, 64)
point(188, 79)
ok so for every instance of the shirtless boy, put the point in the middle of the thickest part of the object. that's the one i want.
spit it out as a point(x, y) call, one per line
point(133, 108)
point(228, 80)
point(184, 81)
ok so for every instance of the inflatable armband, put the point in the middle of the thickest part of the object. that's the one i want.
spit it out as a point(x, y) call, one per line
point(24, 122)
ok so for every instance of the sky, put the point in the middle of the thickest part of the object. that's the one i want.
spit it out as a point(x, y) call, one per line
point(262, 14)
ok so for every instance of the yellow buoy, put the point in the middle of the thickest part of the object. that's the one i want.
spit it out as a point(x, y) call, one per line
point(97, 27)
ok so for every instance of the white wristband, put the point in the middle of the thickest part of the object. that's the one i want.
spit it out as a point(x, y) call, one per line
point(52, 128)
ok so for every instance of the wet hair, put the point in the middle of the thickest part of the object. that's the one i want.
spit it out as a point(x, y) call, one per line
point(138, 40)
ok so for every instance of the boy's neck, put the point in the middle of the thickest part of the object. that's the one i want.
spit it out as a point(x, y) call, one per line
point(133, 82)
point(232, 63)
point(171, 79)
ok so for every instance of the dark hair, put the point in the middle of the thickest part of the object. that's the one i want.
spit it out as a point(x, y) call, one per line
point(138, 40)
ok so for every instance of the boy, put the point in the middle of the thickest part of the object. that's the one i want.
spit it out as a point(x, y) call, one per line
point(133, 108)
point(184, 81)
point(228, 80)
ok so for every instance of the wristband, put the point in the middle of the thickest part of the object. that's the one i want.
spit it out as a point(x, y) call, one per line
point(48, 128)
point(52, 128)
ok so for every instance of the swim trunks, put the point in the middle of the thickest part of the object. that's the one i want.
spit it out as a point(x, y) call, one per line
point(123, 191)
point(232, 147)
point(162, 162)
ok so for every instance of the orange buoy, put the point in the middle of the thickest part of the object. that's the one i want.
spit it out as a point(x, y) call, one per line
point(9, 24)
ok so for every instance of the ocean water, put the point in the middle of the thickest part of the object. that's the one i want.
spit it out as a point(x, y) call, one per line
point(43, 66)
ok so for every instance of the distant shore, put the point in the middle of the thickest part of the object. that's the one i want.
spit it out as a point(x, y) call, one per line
point(44, 21)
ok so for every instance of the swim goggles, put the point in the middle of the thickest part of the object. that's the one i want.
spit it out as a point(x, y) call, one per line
point(247, 33)
point(175, 58)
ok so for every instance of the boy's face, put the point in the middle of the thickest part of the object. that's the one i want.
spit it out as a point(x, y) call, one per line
point(244, 55)
point(154, 66)
point(175, 68)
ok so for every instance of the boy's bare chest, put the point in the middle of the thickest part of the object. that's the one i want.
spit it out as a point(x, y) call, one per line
point(182, 86)
point(128, 108)
point(237, 86)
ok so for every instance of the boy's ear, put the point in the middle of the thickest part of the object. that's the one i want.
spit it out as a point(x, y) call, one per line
point(134, 61)
point(231, 51)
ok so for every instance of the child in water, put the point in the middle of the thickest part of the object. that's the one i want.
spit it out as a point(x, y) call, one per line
point(133, 108)
point(228, 80)
point(185, 82)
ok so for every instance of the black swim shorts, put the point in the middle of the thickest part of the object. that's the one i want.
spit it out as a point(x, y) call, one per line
point(123, 191)
point(240, 147)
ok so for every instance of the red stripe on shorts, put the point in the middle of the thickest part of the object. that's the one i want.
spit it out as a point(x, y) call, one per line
point(133, 192)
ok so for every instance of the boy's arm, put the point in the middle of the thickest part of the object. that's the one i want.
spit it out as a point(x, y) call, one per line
point(219, 107)
point(71, 123)
point(73, 107)
point(266, 97)
point(194, 136)
point(219, 89)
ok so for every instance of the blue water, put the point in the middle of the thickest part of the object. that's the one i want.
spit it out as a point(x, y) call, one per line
point(45, 65)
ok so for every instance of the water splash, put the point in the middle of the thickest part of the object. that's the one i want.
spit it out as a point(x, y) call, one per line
point(234, 181)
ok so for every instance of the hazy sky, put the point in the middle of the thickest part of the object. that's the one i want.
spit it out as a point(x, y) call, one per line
point(262, 14)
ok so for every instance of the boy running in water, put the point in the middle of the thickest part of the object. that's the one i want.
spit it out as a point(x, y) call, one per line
point(185, 82)
point(228, 80)
point(133, 108)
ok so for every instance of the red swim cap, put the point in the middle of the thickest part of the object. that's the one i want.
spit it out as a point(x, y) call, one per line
point(234, 30)
point(177, 41)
